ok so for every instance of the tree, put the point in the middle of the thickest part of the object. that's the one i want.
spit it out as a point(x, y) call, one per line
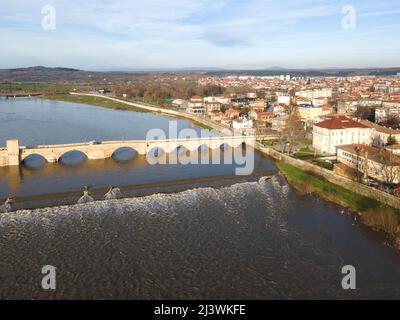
point(393, 121)
point(245, 111)
point(391, 141)
point(365, 113)
point(293, 133)
point(389, 166)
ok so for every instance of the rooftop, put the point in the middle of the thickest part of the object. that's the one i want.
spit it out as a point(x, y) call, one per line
point(339, 122)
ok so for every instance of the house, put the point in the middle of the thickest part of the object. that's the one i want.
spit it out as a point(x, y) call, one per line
point(196, 105)
point(232, 113)
point(242, 123)
point(279, 123)
point(380, 134)
point(215, 115)
point(258, 105)
point(369, 162)
point(261, 116)
point(337, 130)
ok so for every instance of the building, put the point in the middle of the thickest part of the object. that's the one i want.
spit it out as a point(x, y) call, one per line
point(196, 105)
point(384, 113)
point(312, 94)
point(212, 106)
point(180, 104)
point(232, 113)
point(380, 134)
point(279, 123)
point(338, 130)
point(283, 99)
point(308, 112)
point(369, 162)
point(241, 123)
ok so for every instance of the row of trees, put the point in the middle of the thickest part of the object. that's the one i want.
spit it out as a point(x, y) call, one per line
point(164, 90)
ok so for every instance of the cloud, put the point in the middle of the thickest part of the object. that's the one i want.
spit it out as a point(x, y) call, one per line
point(186, 33)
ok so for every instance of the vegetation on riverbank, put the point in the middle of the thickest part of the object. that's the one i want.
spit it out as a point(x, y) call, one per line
point(96, 101)
point(373, 213)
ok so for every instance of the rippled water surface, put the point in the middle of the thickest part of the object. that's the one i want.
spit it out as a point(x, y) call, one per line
point(249, 240)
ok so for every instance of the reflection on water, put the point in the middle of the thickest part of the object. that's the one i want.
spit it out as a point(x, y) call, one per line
point(247, 241)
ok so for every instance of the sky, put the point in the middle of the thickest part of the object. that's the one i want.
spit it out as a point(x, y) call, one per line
point(230, 34)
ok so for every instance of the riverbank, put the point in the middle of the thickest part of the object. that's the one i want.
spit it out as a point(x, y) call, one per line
point(116, 104)
point(95, 101)
point(373, 213)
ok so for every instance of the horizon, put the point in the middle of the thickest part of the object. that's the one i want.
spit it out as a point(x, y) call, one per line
point(201, 34)
point(201, 69)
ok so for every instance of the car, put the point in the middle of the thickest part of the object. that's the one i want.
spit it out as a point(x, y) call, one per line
point(93, 143)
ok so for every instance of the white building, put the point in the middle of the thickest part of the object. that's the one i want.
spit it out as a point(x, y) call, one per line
point(339, 130)
point(240, 124)
point(317, 93)
point(180, 104)
point(283, 98)
point(196, 105)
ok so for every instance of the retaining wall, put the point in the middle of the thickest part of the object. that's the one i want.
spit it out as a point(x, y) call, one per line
point(332, 177)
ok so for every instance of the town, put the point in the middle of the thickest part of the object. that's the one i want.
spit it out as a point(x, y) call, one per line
point(350, 125)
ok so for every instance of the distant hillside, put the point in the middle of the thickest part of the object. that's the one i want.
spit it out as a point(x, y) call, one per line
point(332, 72)
point(39, 73)
point(44, 74)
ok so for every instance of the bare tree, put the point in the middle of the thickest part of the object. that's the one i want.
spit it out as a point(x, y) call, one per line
point(389, 167)
point(293, 133)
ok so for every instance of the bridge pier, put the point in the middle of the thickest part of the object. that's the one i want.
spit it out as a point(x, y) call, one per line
point(13, 152)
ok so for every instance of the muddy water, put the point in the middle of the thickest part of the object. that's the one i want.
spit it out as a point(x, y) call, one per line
point(251, 240)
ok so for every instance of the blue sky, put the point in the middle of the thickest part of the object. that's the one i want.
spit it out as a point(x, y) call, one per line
point(200, 33)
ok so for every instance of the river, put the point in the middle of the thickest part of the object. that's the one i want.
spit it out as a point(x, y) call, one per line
point(234, 238)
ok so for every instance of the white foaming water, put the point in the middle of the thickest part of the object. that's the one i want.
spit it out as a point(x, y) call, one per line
point(231, 196)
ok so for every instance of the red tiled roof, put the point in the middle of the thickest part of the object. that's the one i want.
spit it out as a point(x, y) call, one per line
point(338, 122)
point(232, 111)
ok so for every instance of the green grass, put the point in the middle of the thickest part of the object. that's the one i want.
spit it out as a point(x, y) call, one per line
point(323, 164)
point(96, 101)
point(60, 88)
point(270, 143)
point(308, 182)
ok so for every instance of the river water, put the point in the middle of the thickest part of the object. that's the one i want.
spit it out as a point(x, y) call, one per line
point(242, 238)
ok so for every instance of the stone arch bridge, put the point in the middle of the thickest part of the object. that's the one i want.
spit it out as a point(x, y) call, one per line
point(14, 154)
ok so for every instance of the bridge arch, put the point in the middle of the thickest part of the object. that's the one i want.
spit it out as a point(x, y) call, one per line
point(204, 148)
point(34, 160)
point(124, 153)
point(73, 157)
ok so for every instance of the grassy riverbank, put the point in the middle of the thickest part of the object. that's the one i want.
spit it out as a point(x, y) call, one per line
point(107, 103)
point(95, 101)
point(373, 213)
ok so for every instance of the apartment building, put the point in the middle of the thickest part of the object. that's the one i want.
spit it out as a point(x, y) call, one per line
point(338, 130)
